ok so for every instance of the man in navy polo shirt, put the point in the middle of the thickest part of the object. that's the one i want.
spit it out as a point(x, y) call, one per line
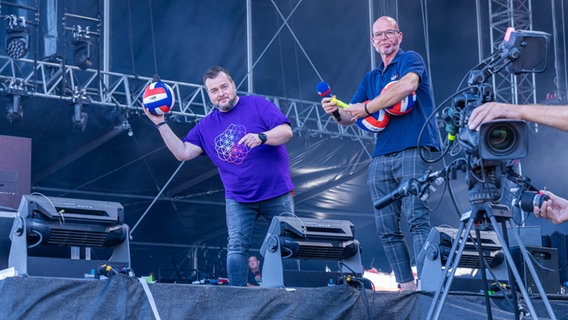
point(396, 157)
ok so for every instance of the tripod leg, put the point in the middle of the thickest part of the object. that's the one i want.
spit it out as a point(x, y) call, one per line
point(482, 268)
point(443, 279)
point(512, 282)
point(528, 262)
point(512, 267)
point(453, 261)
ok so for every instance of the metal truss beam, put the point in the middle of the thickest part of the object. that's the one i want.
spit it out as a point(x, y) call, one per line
point(62, 82)
point(517, 14)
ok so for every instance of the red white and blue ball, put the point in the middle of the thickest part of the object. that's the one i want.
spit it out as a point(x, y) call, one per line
point(404, 106)
point(376, 122)
point(158, 98)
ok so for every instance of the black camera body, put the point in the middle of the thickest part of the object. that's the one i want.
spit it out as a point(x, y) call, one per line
point(489, 151)
point(522, 52)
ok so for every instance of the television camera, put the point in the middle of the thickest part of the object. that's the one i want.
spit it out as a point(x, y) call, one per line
point(491, 151)
point(488, 161)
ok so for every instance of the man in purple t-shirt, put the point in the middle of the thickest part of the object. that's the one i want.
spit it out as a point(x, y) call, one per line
point(244, 137)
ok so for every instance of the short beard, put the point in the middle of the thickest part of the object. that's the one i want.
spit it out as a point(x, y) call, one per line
point(231, 105)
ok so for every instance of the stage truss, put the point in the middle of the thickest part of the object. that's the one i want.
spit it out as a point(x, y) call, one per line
point(71, 85)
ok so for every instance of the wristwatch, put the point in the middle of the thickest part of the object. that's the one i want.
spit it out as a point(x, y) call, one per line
point(262, 136)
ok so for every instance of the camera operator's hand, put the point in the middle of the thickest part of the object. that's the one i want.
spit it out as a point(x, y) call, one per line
point(555, 209)
point(491, 111)
point(552, 116)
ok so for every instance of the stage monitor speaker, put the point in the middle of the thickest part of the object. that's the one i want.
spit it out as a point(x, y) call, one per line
point(6, 222)
point(559, 241)
point(48, 234)
point(531, 236)
point(306, 238)
point(15, 170)
point(437, 249)
point(545, 262)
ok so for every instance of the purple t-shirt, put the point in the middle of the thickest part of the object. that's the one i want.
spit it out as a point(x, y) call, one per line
point(249, 175)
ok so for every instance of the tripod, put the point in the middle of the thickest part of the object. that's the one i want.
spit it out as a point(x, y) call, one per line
point(493, 212)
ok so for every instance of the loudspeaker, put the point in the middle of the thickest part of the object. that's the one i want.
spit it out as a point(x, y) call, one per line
point(545, 262)
point(15, 170)
point(6, 222)
point(560, 242)
point(530, 236)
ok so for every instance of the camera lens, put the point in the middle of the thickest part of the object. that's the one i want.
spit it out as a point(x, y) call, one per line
point(530, 200)
point(501, 139)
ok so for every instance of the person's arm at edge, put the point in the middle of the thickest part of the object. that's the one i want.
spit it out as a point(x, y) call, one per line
point(549, 115)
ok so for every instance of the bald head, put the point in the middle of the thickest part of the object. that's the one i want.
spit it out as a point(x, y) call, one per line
point(386, 22)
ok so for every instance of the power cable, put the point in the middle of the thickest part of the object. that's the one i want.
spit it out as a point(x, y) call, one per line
point(153, 40)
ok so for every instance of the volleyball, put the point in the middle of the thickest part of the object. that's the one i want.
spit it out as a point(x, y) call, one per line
point(158, 98)
point(404, 106)
point(376, 122)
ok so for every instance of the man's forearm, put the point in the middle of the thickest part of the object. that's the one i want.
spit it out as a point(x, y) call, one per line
point(552, 116)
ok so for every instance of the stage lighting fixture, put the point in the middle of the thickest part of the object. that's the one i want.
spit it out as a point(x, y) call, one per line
point(14, 110)
point(79, 118)
point(306, 238)
point(438, 248)
point(48, 232)
point(126, 126)
point(82, 52)
point(17, 41)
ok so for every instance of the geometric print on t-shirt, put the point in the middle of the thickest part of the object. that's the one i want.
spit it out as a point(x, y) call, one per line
point(227, 147)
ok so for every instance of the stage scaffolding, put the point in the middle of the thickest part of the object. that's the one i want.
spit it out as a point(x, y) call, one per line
point(71, 85)
point(518, 14)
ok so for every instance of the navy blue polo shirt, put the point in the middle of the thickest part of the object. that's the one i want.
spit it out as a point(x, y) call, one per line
point(402, 131)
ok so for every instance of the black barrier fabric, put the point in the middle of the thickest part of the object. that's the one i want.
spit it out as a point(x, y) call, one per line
point(121, 297)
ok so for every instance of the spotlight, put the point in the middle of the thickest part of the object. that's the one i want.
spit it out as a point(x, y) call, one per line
point(15, 111)
point(46, 230)
point(17, 37)
point(82, 53)
point(16, 88)
point(17, 40)
point(79, 118)
point(126, 126)
point(82, 47)
point(305, 238)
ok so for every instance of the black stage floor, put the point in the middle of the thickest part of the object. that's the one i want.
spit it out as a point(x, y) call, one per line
point(122, 297)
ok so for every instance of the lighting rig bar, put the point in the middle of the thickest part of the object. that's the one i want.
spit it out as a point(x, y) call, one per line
point(110, 89)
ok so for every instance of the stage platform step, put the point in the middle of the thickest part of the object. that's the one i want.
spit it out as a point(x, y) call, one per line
point(122, 297)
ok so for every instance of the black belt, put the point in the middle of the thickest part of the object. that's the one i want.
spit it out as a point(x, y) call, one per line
point(429, 148)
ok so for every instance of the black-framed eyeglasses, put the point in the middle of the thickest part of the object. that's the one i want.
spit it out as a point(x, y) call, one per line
point(389, 34)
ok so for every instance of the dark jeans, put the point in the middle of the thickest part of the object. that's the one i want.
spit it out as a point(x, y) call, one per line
point(240, 224)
